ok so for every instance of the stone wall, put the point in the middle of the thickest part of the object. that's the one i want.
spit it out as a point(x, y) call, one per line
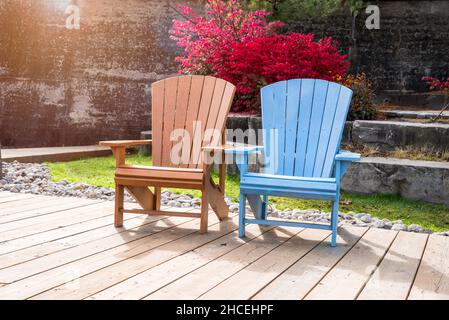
point(411, 179)
point(413, 40)
point(75, 87)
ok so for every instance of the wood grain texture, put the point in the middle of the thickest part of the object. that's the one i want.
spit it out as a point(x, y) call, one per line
point(155, 257)
point(348, 277)
point(295, 282)
point(394, 277)
point(307, 117)
point(189, 112)
point(432, 279)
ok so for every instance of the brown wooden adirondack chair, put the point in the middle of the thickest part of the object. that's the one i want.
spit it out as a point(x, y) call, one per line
point(178, 103)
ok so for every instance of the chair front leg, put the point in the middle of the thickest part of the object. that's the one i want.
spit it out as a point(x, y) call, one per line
point(335, 204)
point(334, 223)
point(204, 211)
point(119, 202)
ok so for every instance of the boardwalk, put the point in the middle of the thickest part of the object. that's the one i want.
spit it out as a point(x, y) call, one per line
point(66, 248)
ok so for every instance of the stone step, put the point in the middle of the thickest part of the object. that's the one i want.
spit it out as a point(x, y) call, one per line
point(390, 135)
point(409, 101)
point(418, 114)
point(384, 135)
point(411, 179)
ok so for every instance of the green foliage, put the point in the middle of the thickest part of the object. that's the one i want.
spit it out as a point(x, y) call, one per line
point(290, 10)
point(355, 5)
point(100, 172)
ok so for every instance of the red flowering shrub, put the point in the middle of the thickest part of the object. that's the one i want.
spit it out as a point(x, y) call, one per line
point(206, 40)
point(437, 85)
point(244, 49)
point(253, 64)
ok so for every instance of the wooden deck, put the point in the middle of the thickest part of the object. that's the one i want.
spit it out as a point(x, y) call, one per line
point(66, 248)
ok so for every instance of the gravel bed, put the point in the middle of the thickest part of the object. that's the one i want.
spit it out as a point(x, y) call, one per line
point(35, 179)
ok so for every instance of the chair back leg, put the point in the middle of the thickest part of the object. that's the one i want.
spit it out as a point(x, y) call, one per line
point(119, 200)
point(263, 214)
point(242, 207)
point(157, 199)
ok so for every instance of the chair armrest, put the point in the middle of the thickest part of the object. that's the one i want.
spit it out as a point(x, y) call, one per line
point(243, 150)
point(343, 161)
point(233, 149)
point(347, 156)
point(124, 143)
point(241, 153)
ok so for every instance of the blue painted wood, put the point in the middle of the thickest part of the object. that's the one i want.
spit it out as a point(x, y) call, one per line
point(345, 158)
point(264, 206)
point(256, 204)
point(344, 100)
point(288, 182)
point(303, 122)
point(273, 120)
point(293, 95)
point(316, 122)
point(242, 207)
point(334, 213)
point(333, 92)
point(288, 192)
point(288, 224)
point(305, 112)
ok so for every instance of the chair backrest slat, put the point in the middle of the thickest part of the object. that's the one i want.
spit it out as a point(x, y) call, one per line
point(316, 121)
point(308, 118)
point(191, 104)
point(293, 94)
point(302, 137)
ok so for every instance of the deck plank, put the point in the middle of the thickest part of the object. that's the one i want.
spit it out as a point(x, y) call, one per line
point(46, 208)
point(22, 228)
point(163, 274)
point(299, 279)
point(432, 279)
point(32, 247)
point(393, 278)
point(207, 277)
point(150, 262)
point(33, 267)
point(250, 280)
point(83, 231)
point(16, 197)
point(68, 248)
point(26, 205)
point(348, 277)
point(174, 228)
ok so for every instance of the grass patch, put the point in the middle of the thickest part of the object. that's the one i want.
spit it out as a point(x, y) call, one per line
point(100, 172)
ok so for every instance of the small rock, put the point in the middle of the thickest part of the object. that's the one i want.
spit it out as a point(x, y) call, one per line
point(360, 215)
point(399, 227)
point(366, 218)
point(379, 224)
point(234, 208)
point(415, 228)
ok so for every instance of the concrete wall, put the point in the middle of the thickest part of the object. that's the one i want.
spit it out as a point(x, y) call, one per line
point(75, 87)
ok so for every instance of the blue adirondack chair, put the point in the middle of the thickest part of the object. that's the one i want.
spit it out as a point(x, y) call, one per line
point(303, 121)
